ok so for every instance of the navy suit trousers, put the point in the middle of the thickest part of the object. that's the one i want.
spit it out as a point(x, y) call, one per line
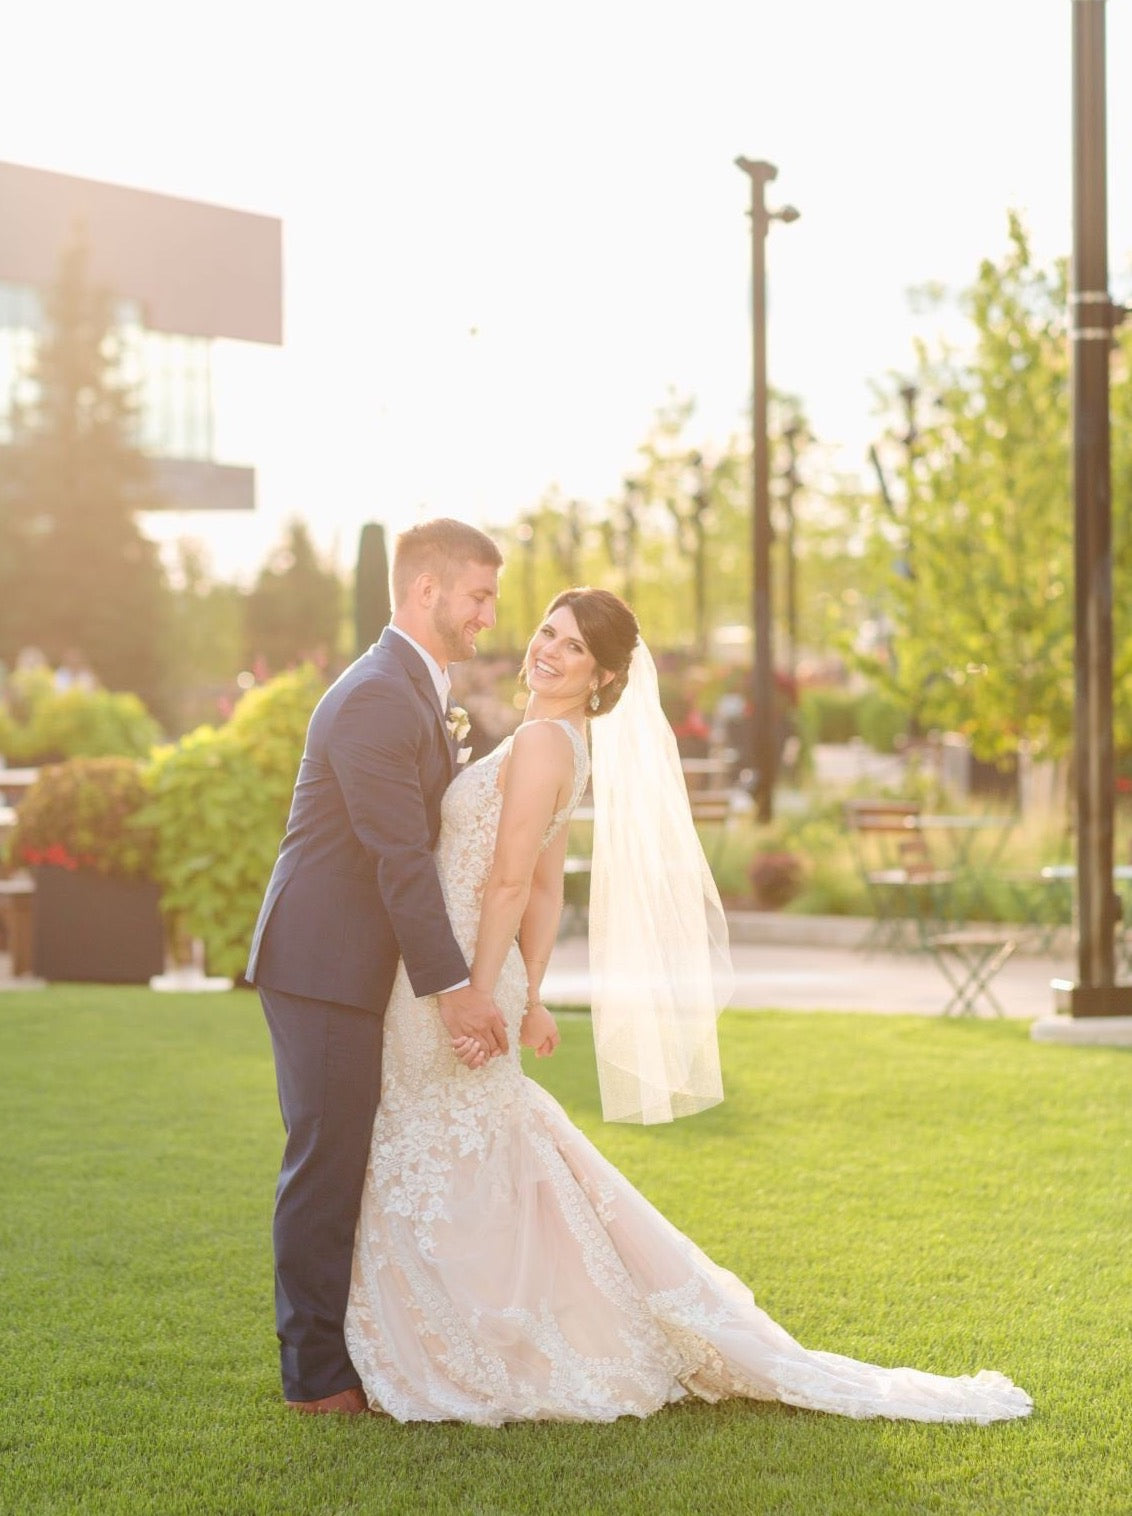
point(328, 1070)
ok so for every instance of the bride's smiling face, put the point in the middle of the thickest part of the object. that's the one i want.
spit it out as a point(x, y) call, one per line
point(558, 663)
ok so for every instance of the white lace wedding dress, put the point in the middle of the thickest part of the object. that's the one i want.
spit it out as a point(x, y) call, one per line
point(504, 1271)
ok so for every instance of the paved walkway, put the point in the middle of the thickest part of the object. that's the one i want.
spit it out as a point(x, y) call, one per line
point(819, 969)
point(834, 976)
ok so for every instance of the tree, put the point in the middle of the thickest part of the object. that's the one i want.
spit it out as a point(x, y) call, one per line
point(206, 646)
point(371, 587)
point(677, 541)
point(983, 606)
point(293, 613)
point(75, 571)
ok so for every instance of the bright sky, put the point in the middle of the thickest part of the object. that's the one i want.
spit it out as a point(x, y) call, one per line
point(512, 227)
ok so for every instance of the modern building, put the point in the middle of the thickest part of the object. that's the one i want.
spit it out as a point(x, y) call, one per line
point(183, 274)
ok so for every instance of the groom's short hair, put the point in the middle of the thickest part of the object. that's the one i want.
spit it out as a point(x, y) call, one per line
point(441, 547)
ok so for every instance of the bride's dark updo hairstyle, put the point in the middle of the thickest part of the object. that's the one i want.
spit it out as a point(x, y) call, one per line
point(610, 631)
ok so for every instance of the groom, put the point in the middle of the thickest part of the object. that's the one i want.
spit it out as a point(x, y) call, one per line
point(353, 890)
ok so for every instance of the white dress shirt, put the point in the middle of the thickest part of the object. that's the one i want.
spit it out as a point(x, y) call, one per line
point(441, 682)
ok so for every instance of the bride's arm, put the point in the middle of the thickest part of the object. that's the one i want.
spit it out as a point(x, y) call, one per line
point(538, 929)
point(537, 933)
point(539, 775)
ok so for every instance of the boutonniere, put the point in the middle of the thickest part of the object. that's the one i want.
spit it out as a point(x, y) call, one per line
point(457, 724)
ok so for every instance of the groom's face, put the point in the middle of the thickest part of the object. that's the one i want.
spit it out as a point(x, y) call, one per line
point(464, 607)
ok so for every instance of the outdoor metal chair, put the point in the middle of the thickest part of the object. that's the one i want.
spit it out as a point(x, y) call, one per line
point(908, 893)
point(970, 959)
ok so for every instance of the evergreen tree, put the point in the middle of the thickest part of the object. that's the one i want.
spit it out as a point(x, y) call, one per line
point(371, 587)
point(75, 571)
point(293, 614)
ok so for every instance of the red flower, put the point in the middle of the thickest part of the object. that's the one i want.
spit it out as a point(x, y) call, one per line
point(56, 856)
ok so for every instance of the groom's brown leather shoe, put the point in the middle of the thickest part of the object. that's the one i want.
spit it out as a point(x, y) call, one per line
point(346, 1403)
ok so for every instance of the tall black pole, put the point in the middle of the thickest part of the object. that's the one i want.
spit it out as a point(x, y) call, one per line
point(1092, 320)
point(765, 753)
point(790, 485)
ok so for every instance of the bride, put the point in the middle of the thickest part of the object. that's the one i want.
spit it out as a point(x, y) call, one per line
point(503, 1270)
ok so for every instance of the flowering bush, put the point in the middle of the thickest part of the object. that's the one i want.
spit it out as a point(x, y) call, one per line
point(82, 814)
point(775, 879)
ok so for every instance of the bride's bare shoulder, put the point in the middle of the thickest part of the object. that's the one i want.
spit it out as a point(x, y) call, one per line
point(542, 744)
point(542, 735)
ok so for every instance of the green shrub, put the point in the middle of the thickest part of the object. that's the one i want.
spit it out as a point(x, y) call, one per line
point(828, 715)
point(839, 715)
point(11, 748)
point(881, 720)
point(219, 807)
point(77, 723)
point(86, 813)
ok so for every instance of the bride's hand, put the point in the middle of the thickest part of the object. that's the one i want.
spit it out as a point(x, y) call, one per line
point(469, 1052)
point(539, 1030)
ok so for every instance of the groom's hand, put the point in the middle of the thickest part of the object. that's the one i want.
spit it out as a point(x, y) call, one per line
point(472, 1017)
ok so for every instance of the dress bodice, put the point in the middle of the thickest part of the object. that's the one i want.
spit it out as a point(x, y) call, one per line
point(470, 820)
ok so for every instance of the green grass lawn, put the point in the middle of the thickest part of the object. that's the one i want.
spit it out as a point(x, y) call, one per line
point(945, 1194)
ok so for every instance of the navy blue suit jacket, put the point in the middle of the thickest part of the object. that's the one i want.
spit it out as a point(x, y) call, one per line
point(355, 886)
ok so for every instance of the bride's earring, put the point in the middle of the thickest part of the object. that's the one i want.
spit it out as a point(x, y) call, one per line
point(595, 699)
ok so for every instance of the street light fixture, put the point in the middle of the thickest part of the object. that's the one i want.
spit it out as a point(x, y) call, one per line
point(765, 739)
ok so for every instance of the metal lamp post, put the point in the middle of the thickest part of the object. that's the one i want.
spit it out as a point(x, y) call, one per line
point(791, 436)
point(1093, 318)
point(760, 174)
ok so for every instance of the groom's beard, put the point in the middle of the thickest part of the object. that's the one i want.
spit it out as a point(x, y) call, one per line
point(457, 641)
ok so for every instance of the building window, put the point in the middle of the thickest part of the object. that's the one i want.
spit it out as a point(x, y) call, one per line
point(173, 374)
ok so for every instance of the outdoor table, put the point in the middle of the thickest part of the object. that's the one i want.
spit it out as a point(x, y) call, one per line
point(1063, 877)
point(962, 834)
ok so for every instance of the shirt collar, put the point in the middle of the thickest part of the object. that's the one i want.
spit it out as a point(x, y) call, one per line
point(441, 682)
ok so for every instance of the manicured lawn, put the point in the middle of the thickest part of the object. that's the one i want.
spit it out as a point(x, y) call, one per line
point(945, 1194)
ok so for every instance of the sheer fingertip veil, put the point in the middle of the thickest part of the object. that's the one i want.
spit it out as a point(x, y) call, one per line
point(660, 966)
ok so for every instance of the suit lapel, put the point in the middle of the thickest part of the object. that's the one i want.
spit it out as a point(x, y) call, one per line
point(414, 665)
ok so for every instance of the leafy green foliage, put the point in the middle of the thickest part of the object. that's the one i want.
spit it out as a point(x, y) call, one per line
point(983, 610)
point(829, 714)
point(219, 807)
point(834, 714)
point(86, 813)
point(79, 723)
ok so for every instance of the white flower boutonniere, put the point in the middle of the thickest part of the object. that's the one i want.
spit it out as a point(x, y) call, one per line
point(457, 723)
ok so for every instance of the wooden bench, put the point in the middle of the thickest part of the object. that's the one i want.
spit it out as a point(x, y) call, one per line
point(15, 783)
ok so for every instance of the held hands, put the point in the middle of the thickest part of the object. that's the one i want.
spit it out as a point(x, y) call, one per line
point(539, 1030)
point(474, 1024)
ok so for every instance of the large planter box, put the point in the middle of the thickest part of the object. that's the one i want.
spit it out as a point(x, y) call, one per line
point(96, 930)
